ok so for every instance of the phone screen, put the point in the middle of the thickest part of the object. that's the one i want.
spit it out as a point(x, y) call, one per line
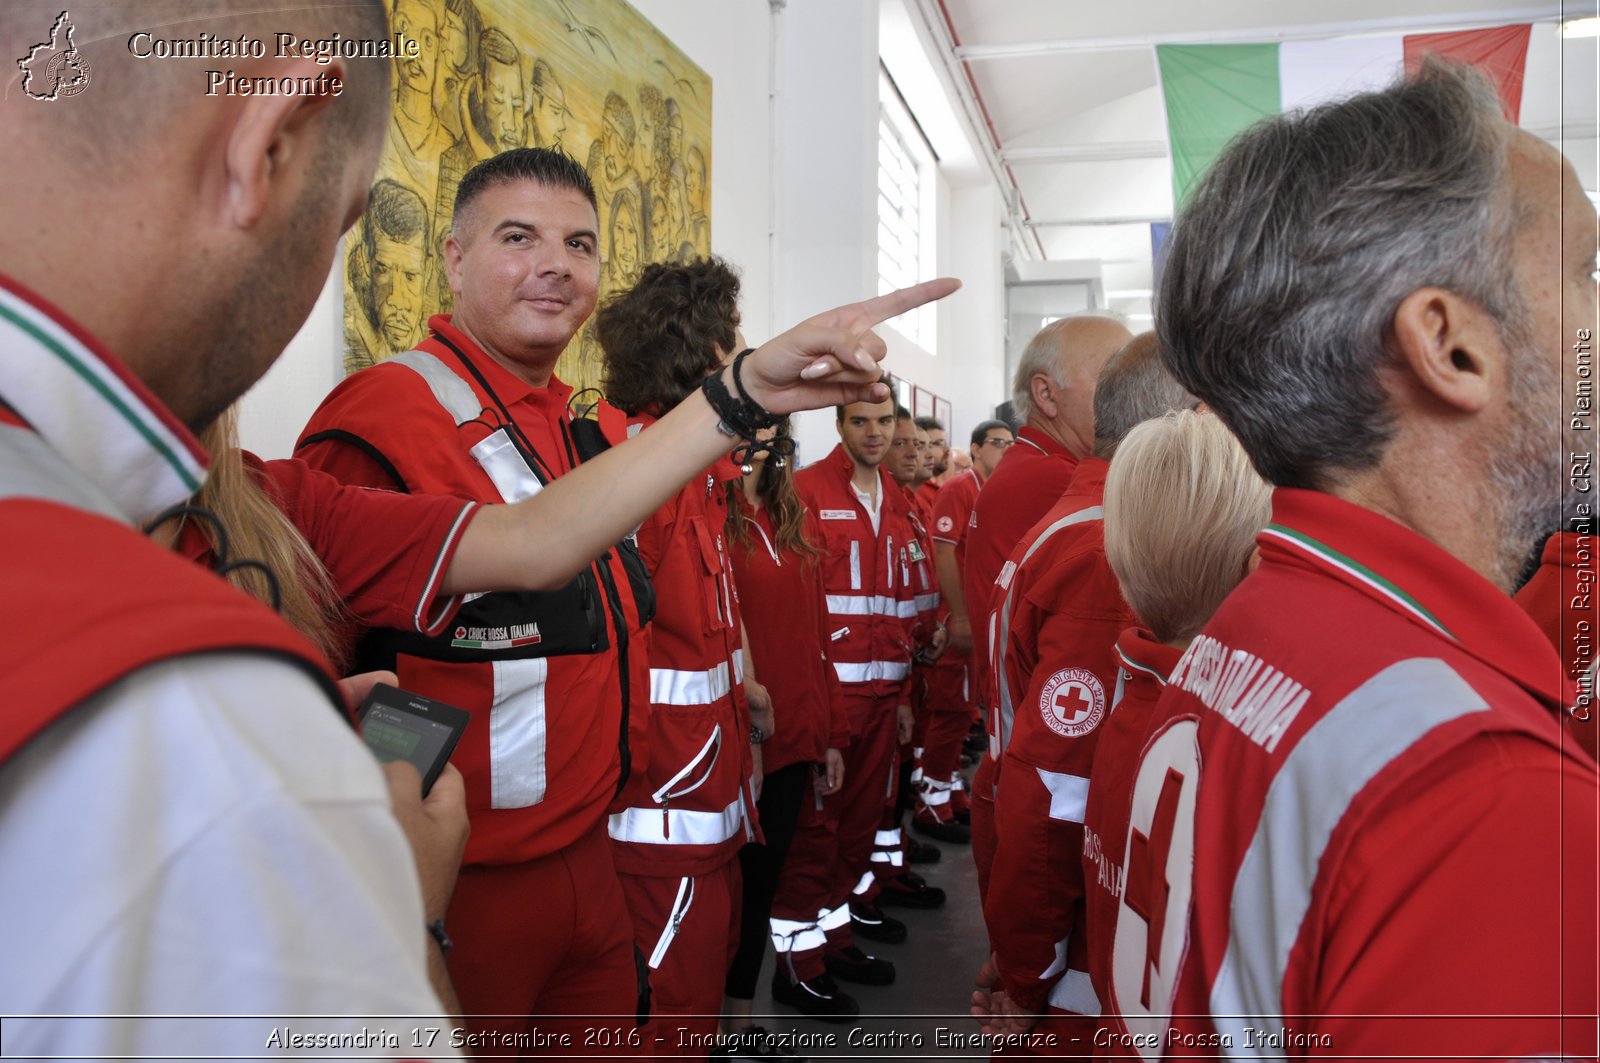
point(394, 727)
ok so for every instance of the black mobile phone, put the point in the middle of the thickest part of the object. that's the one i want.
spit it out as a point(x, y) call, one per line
point(399, 725)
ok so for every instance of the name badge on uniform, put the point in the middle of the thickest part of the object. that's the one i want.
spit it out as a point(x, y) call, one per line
point(915, 550)
point(838, 514)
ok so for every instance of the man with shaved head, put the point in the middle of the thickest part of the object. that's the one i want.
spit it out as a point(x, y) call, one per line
point(1053, 395)
point(1057, 617)
point(188, 828)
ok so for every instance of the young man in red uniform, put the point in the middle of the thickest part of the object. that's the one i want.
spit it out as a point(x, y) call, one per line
point(950, 695)
point(897, 884)
point(1365, 836)
point(478, 413)
point(1062, 611)
point(1053, 395)
point(938, 454)
point(871, 602)
point(682, 821)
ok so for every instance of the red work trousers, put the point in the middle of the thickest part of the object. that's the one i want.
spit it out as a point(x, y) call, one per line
point(687, 929)
point(832, 848)
point(545, 949)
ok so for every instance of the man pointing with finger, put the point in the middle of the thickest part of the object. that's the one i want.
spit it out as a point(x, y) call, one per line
point(539, 921)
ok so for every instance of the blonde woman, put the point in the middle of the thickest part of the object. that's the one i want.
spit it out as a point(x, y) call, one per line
point(1182, 509)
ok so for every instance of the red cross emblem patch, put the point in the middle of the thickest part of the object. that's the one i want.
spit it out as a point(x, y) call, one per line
point(1072, 702)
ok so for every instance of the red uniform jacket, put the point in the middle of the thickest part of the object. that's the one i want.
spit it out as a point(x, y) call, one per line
point(389, 580)
point(924, 577)
point(787, 621)
point(952, 513)
point(1026, 483)
point(1561, 597)
point(1067, 611)
point(692, 809)
point(871, 597)
point(1145, 666)
point(542, 758)
point(135, 602)
point(1356, 809)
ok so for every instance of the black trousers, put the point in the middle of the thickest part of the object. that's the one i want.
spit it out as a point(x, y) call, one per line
point(779, 807)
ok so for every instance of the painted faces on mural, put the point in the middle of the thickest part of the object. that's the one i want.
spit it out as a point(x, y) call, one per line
point(417, 21)
point(397, 270)
point(504, 101)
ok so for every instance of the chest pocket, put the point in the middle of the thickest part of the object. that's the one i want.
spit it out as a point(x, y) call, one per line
point(713, 581)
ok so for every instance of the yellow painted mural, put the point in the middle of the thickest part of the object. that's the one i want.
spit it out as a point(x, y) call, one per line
point(591, 77)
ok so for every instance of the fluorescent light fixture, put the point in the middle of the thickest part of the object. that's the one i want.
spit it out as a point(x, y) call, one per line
point(1581, 27)
point(1129, 293)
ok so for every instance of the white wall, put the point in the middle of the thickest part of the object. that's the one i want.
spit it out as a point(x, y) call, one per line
point(793, 193)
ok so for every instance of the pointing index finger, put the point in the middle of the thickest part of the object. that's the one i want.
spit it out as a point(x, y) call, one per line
point(870, 312)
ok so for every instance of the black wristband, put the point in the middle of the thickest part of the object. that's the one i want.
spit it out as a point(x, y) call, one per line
point(436, 929)
point(739, 415)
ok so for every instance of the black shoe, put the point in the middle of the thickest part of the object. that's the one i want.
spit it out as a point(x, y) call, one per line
point(963, 816)
point(909, 890)
point(943, 831)
point(921, 852)
point(850, 964)
point(755, 1044)
point(867, 920)
point(820, 998)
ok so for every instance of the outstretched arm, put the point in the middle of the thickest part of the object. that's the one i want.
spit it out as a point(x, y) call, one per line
point(541, 543)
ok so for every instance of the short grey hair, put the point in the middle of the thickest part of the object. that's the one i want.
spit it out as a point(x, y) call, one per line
point(1040, 357)
point(1285, 269)
point(1134, 387)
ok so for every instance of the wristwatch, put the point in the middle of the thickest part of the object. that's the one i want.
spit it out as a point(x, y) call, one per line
point(757, 735)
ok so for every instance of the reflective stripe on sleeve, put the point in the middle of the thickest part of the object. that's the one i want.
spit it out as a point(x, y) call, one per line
point(1069, 795)
point(1075, 993)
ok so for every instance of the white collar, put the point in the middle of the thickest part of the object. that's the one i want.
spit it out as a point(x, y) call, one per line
point(94, 413)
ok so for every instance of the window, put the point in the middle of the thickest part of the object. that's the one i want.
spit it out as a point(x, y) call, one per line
point(904, 242)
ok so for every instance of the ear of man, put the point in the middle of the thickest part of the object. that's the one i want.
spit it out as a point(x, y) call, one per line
point(272, 137)
point(1451, 347)
point(1044, 397)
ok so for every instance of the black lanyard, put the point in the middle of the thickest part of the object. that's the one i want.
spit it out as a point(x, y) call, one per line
point(514, 431)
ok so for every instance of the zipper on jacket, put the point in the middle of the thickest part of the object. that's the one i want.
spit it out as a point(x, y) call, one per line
point(665, 793)
point(773, 550)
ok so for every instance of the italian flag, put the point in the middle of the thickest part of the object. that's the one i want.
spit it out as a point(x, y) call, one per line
point(1213, 92)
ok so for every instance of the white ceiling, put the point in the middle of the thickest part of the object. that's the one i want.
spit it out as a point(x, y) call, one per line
point(1067, 90)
